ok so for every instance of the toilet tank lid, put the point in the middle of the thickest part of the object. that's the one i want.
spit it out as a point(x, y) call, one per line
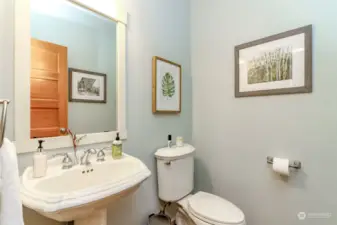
point(174, 152)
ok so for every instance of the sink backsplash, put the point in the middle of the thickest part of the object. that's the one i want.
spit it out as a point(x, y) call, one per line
point(26, 159)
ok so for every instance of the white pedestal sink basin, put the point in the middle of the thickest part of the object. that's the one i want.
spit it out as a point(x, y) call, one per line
point(82, 193)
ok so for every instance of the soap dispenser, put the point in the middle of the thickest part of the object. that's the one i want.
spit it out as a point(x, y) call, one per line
point(39, 162)
point(117, 151)
point(169, 141)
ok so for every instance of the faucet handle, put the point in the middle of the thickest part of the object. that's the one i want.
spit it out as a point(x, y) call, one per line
point(85, 157)
point(67, 162)
point(90, 151)
point(101, 154)
point(60, 154)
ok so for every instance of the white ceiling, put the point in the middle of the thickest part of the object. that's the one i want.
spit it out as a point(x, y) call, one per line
point(66, 10)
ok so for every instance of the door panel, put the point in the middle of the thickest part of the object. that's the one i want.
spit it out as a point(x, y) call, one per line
point(44, 59)
point(44, 75)
point(45, 118)
point(49, 89)
point(45, 132)
point(43, 103)
point(44, 89)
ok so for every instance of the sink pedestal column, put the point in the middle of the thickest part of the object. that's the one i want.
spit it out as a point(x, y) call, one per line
point(98, 217)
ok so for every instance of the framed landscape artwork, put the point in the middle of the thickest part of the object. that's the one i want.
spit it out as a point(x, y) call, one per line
point(166, 86)
point(87, 86)
point(275, 65)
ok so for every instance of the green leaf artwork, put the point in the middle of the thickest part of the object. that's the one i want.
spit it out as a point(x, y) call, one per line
point(168, 85)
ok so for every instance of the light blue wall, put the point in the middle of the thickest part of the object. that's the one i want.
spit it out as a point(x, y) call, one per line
point(233, 136)
point(91, 48)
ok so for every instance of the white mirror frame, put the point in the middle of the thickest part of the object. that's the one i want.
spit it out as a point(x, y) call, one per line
point(22, 77)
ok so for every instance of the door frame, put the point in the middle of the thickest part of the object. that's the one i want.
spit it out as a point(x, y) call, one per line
point(111, 10)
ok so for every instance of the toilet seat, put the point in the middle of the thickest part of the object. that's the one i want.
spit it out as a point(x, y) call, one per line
point(206, 208)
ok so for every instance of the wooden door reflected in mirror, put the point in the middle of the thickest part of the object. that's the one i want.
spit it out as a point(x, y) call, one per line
point(49, 89)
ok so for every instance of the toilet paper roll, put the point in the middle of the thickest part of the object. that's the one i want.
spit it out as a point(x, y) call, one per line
point(281, 166)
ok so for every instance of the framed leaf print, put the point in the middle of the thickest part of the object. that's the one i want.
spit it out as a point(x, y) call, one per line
point(166, 86)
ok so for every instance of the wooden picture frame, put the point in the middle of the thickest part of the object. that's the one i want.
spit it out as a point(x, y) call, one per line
point(167, 99)
point(89, 95)
point(296, 67)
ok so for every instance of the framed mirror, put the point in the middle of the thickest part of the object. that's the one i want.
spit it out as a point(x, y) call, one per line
point(69, 73)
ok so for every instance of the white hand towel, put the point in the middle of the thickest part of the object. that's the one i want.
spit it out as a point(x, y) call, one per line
point(11, 205)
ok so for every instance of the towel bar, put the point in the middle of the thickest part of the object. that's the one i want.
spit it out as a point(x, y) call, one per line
point(5, 103)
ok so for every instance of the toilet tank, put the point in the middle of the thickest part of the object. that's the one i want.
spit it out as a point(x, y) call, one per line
point(175, 172)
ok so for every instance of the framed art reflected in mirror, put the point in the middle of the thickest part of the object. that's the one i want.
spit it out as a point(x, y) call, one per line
point(87, 86)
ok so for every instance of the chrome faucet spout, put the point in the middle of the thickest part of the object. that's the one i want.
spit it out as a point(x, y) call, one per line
point(78, 139)
point(75, 156)
point(74, 140)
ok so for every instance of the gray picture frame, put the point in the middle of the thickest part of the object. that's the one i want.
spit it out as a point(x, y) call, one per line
point(72, 99)
point(307, 88)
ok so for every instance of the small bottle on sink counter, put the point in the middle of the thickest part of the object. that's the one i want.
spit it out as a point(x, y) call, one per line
point(117, 148)
point(39, 162)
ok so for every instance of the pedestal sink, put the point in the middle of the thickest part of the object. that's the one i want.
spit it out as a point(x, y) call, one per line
point(82, 193)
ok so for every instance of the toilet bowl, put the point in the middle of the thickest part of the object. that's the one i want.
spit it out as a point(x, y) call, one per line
point(175, 170)
point(208, 209)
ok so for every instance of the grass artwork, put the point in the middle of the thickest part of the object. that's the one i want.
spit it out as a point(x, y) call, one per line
point(168, 86)
point(275, 65)
point(271, 66)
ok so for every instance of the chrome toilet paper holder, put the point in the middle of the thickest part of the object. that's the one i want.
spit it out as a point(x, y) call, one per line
point(293, 164)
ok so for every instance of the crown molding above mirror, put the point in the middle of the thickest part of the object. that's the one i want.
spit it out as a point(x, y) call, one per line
point(22, 65)
point(110, 9)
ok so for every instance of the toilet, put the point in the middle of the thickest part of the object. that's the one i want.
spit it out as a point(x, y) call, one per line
point(175, 171)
